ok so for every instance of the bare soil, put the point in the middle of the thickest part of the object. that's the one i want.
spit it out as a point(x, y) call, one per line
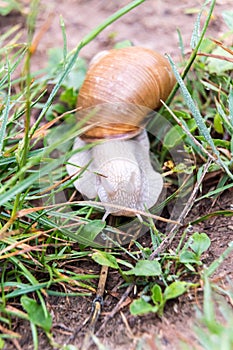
point(154, 24)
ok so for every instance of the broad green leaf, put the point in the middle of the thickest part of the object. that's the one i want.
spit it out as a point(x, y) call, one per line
point(187, 256)
point(141, 307)
point(218, 124)
point(146, 268)
point(199, 243)
point(182, 115)
point(217, 142)
point(36, 313)
point(173, 137)
point(222, 143)
point(90, 231)
point(156, 294)
point(106, 259)
point(175, 289)
point(69, 96)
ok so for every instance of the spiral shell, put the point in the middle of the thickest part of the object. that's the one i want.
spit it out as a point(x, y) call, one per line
point(121, 87)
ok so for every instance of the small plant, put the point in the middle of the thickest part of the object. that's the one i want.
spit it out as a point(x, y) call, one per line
point(197, 244)
point(155, 295)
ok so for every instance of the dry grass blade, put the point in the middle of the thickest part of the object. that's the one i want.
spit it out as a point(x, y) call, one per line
point(20, 244)
point(44, 28)
point(8, 331)
point(41, 132)
point(219, 43)
point(24, 212)
point(219, 57)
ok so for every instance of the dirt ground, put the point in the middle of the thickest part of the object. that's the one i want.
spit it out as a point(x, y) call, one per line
point(154, 24)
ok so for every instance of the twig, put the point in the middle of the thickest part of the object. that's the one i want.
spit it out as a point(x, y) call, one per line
point(24, 212)
point(116, 308)
point(96, 308)
point(183, 214)
point(97, 302)
point(218, 57)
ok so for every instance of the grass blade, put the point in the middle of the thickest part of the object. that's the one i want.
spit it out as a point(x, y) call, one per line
point(6, 110)
point(231, 106)
point(197, 115)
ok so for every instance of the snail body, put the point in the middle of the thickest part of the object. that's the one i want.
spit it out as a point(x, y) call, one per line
point(119, 173)
point(121, 88)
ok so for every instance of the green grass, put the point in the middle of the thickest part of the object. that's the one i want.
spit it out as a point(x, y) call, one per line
point(39, 226)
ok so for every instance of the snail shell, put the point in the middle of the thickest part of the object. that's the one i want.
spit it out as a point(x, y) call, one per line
point(121, 88)
point(124, 85)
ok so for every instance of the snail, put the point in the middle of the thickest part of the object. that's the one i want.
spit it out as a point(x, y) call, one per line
point(121, 88)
